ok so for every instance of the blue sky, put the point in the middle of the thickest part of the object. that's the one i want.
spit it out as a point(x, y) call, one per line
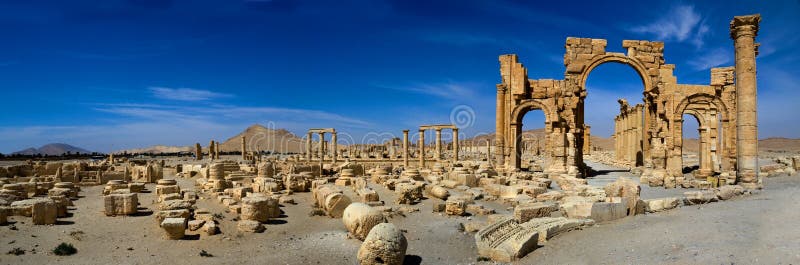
point(109, 75)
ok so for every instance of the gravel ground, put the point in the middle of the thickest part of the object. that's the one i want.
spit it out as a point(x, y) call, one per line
point(759, 229)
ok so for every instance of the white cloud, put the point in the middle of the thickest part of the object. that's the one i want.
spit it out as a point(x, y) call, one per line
point(185, 94)
point(448, 90)
point(713, 58)
point(681, 23)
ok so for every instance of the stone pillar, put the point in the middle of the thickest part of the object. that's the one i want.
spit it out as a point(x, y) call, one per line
point(438, 144)
point(308, 146)
point(421, 149)
point(321, 146)
point(244, 149)
point(587, 143)
point(211, 149)
point(500, 130)
point(489, 151)
point(216, 150)
point(335, 149)
point(455, 145)
point(198, 151)
point(743, 32)
point(405, 148)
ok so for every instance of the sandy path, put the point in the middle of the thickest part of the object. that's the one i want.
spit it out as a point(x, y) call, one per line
point(759, 229)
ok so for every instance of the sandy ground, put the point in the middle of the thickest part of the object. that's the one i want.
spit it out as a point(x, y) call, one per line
point(760, 229)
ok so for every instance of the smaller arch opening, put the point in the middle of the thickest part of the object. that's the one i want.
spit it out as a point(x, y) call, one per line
point(531, 139)
point(690, 142)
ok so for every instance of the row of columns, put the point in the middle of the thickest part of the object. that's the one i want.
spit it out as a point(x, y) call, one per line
point(629, 136)
point(321, 152)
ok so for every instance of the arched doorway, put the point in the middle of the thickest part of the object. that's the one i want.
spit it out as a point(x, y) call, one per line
point(614, 90)
point(553, 159)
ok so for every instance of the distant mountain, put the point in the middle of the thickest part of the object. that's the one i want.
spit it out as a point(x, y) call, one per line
point(157, 149)
point(53, 149)
point(258, 137)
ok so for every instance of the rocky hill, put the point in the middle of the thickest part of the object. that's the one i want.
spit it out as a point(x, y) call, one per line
point(158, 149)
point(261, 138)
point(53, 149)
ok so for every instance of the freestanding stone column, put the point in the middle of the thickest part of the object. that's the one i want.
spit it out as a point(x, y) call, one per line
point(438, 144)
point(216, 149)
point(211, 149)
point(489, 151)
point(335, 147)
point(244, 149)
point(405, 148)
point(321, 146)
point(500, 133)
point(308, 146)
point(198, 151)
point(455, 145)
point(421, 149)
point(743, 32)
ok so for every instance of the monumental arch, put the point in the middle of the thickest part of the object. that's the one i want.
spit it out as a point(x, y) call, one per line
point(729, 99)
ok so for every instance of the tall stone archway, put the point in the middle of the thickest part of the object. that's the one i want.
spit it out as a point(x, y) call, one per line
point(664, 98)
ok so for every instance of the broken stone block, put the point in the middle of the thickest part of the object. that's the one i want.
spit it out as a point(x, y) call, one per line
point(210, 228)
point(286, 200)
point(699, 197)
point(121, 204)
point(506, 241)
point(175, 228)
point(533, 191)
point(548, 227)
point(169, 196)
point(62, 202)
point(59, 192)
point(598, 211)
point(259, 208)
point(550, 196)
point(467, 180)
point(250, 226)
point(368, 195)
point(455, 207)
point(662, 204)
point(727, 192)
point(161, 215)
point(331, 200)
point(167, 186)
point(439, 192)
point(408, 193)
point(526, 212)
point(385, 244)
point(474, 226)
point(626, 188)
point(25, 207)
point(194, 225)
point(44, 212)
point(174, 205)
point(342, 181)
point(510, 191)
point(608, 211)
point(136, 187)
point(359, 219)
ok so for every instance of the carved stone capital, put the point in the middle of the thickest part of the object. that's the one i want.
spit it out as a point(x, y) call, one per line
point(745, 26)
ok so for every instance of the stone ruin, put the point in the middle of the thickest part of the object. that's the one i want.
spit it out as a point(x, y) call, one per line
point(646, 135)
point(368, 185)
